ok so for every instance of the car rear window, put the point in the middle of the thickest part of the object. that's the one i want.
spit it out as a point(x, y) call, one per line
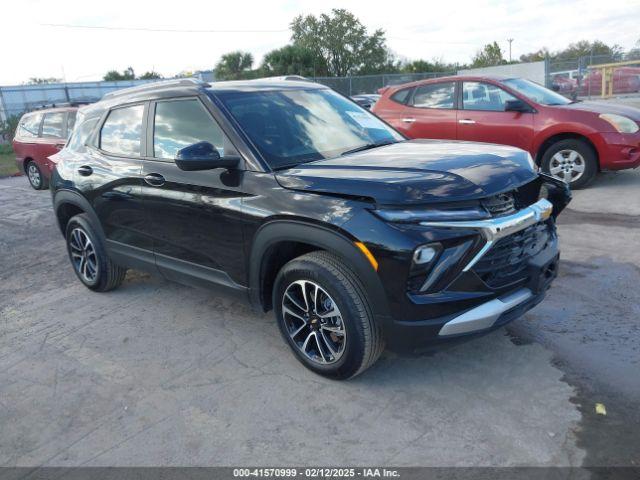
point(121, 132)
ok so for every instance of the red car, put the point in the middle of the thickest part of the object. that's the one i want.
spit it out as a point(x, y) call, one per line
point(572, 140)
point(625, 80)
point(39, 135)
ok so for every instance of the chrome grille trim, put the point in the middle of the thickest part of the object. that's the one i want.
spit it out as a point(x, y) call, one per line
point(493, 229)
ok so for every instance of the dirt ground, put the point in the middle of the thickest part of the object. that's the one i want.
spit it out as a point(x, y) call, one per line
point(157, 373)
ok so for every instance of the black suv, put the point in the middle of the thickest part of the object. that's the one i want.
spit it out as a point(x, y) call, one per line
point(293, 196)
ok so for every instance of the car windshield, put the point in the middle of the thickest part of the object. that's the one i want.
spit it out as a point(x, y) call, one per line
point(293, 126)
point(536, 92)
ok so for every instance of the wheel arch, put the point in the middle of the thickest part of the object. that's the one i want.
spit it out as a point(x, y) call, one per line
point(67, 203)
point(279, 241)
point(25, 163)
point(556, 137)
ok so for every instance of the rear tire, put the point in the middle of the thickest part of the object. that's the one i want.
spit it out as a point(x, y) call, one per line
point(35, 177)
point(571, 159)
point(89, 258)
point(346, 342)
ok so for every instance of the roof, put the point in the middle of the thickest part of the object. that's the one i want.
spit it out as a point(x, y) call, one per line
point(65, 108)
point(265, 84)
point(451, 78)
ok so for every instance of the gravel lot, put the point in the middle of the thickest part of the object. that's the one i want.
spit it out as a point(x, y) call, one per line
point(157, 373)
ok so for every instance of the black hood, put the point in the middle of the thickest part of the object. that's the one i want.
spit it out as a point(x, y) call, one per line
point(416, 171)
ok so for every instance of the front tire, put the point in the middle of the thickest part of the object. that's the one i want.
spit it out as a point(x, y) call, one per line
point(324, 316)
point(34, 174)
point(572, 161)
point(89, 258)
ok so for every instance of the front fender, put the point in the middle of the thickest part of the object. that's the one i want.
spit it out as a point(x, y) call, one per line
point(337, 242)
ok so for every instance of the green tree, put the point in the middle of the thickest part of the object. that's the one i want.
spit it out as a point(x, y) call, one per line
point(536, 56)
point(340, 44)
point(114, 75)
point(585, 48)
point(234, 66)
point(40, 81)
point(150, 75)
point(289, 60)
point(425, 66)
point(8, 127)
point(489, 56)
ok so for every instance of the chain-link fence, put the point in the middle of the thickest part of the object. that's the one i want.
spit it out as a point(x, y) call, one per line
point(17, 99)
point(596, 75)
point(372, 83)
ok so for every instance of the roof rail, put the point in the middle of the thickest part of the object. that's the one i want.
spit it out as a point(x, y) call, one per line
point(193, 82)
point(297, 78)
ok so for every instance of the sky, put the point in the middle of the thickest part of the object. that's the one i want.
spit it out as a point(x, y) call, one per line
point(449, 30)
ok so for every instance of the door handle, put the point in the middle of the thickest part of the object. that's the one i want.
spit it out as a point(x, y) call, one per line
point(408, 120)
point(85, 170)
point(467, 121)
point(154, 179)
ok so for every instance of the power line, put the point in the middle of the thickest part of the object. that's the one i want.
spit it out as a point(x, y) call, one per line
point(161, 30)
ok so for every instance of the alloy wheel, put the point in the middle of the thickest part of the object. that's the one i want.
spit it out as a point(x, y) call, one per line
point(34, 175)
point(567, 165)
point(83, 255)
point(314, 322)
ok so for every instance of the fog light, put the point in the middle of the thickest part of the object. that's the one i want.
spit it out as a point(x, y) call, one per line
point(424, 254)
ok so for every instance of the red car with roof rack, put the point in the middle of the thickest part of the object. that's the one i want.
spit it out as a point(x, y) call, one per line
point(39, 135)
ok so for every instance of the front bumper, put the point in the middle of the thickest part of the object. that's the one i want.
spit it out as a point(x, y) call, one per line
point(480, 319)
point(476, 302)
point(617, 151)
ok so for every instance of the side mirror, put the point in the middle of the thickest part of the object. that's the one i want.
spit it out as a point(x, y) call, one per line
point(203, 156)
point(517, 106)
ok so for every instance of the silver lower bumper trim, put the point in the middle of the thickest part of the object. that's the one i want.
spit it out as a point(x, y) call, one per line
point(485, 315)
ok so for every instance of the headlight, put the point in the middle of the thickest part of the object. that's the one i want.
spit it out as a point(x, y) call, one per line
point(620, 123)
point(432, 214)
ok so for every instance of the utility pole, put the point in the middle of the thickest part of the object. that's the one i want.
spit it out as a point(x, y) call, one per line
point(510, 40)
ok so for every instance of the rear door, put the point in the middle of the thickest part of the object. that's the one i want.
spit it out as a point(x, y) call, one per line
point(109, 174)
point(25, 143)
point(53, 138)
point(430, 112)
point(195, 216)
point(482, 118)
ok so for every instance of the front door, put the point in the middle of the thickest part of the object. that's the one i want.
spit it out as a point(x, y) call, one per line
point(195, 216)
point(482, 117)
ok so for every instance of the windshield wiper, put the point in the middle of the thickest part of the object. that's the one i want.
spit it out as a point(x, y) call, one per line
point(366, 146)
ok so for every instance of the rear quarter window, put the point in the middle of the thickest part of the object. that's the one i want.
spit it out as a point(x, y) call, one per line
point(29, 126)
point(401, 96)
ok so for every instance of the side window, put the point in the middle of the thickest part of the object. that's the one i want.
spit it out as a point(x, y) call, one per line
point(435, 95)
point(122, 131)
point(181, 123)
point(71, 122)
point(484, 96)
point(53, 124)
point(29, 126)
point(401, 96)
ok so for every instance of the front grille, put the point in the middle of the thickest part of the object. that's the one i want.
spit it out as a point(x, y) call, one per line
point(506, 261)
point(498, 205)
